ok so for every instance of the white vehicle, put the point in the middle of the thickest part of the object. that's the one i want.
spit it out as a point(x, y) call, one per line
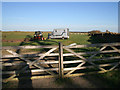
point(59, 33)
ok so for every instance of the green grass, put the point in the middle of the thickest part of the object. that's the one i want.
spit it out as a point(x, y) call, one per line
point(79, 39)
point(112, 78)
point(10, 44)
point(15, 35)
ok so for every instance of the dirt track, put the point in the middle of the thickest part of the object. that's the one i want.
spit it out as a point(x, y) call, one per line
point(72, 82)
point(21, 40)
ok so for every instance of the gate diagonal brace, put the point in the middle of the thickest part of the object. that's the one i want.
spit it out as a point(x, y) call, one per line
point(118, 62)
point(83, 62)
point(97, 53)
point(31, 63)
point(75, 68)
point(84, 59)
point(28, 61)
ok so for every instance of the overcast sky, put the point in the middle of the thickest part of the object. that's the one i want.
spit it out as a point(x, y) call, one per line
point(77, 16)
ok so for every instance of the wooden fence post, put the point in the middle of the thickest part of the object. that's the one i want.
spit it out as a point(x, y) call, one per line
point(61, 73)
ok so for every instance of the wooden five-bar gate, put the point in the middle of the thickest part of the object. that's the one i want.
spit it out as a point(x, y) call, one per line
point(65, 61)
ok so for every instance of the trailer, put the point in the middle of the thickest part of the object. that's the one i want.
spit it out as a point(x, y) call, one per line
point(59, 34)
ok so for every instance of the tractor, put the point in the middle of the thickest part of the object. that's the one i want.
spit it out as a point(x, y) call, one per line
point(38, 35)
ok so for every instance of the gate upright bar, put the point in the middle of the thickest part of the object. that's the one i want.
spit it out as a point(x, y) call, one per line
point(61, 73)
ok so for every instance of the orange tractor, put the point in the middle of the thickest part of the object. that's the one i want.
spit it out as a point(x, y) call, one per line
point(38, 36)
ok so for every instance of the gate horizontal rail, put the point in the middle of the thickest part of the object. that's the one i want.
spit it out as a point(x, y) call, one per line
point(56, 69)
point(61, 68)
point(57, 54)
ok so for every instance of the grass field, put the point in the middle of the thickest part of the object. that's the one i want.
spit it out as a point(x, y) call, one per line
point(11, 38)
point(16, 39)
